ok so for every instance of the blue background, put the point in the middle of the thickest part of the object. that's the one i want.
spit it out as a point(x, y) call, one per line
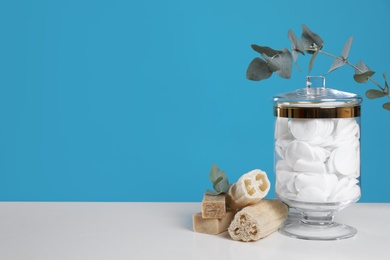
point(135, 100)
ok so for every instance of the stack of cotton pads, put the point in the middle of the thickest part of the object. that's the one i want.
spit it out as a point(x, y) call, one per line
point(317, 160)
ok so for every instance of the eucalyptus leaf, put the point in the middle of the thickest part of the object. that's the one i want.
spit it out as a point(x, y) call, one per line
point(295, 55)
point(284, 59)
point(386, 105)
point(374, 93)
point(340, 61)
point(297, 46)
point(363, 77)
point(362, 72)
point(212, 193)
point(258, 70)
point(219, 179)
point(311, 41)
point(264, 49)
point(312, 60)
point(337, 63)
point(271, 63)
point(361, 67)
point(346, 48)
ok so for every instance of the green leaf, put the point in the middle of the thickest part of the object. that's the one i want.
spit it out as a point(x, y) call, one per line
point(219, 179)
point(386, 105)
point(312, 60)
point(337, 63)
point(258, 70)
point(363, 77)
point(271, 63)
point(311, 41)
point(346, 48)
point(284, 59)
point(266, 50)
point(373, 93)
point(362, 72)
point(212, 193)
point(296, 45)
point(361, 67)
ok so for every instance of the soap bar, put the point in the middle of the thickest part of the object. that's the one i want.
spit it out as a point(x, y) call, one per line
point(214, 206)
point(212, 226)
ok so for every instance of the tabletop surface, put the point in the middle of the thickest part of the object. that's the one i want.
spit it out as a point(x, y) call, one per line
point(97, 230)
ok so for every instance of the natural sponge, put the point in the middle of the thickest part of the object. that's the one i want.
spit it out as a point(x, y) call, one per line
point(259, 220)
point(249, 189)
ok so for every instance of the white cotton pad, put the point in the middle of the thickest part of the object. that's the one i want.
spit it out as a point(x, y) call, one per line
point(331, 180)
point(311, 194)
point(280, 152)
point(299, 150)
point(345, 188)
point(286, 179)
point(283, 176)
point(304, 129)
point(282, 165)
point(341, 184)
point(345, 140)
point(328, 127)
point(281, 127)
point(320, 154)
point(352, 194)
point(345, 159)
point(304, 180)
point(346, 126)
point(324, 134)
point(283, 142)
point(320, 159)
point(305, 166)
point(323, 142)
point(290, 185)
point(329, 164)
point(311, 130)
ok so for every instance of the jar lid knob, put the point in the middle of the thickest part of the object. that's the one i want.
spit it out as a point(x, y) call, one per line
point(315, 82)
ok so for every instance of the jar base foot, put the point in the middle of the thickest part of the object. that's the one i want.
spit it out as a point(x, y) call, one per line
point(332, 231)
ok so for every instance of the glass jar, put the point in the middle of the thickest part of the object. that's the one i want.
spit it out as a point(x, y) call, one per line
point(317, 158)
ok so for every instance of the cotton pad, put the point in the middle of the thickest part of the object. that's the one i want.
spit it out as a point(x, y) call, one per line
point(305, 166)
point(304, 180)
point(345, 159)
point(282, 165)
point(345, 188)
point(281, 127)
point(283, 176)
point(299, 150)
point(311, 194)
point(303, 129)
point(313, 154)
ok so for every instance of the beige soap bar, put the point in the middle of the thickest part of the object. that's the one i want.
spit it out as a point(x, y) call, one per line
point(212, 225)
point(214, 206)
point(259, 220)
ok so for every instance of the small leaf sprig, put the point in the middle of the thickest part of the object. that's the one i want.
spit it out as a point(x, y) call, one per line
point(219, 180)
point(280, 62)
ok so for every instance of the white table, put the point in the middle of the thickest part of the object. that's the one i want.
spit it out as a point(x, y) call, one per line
point(90, 230)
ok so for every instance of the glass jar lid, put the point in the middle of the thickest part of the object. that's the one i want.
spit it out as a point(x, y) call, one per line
point(317, 101)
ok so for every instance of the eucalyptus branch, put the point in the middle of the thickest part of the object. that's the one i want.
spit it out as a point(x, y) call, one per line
point(370, 78)
point(280, 62)
point(353, 66)
point(331, 55)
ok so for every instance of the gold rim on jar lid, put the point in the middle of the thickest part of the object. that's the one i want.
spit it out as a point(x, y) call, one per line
point(317, 112)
